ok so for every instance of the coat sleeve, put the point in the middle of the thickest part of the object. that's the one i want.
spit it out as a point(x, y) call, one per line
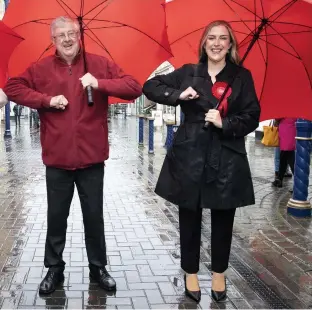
point(118, 84)
point(165, 88)
point(3, 99)
point(21, 90)
point(247, 119)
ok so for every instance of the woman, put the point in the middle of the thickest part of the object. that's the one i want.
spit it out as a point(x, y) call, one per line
point(3, 98)
point(208, 168)
point(287, 144)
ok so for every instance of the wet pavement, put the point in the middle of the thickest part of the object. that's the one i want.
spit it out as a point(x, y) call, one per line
point(271, 260)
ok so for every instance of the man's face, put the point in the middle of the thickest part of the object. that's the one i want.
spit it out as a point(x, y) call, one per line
point(66, 39)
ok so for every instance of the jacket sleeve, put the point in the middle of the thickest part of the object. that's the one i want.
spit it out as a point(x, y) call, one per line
point(3, 99)
point(21, 90)
point(165, 88)
point(247, 119)
point(119, 84)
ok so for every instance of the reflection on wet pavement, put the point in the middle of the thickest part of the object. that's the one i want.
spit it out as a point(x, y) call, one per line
point(270, 266)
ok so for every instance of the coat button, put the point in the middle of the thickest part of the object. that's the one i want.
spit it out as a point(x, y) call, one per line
point(166, 94)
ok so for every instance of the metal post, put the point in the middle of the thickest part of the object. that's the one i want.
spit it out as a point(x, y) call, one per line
point(151, 135)
point(169, 139)
point(141, 130)
point(7, 133)
point(299, 205)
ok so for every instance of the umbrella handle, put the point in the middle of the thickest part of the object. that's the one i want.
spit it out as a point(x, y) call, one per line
point(90, 96)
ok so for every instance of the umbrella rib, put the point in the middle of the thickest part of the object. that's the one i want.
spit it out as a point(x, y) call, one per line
point(134, 28)
point(100, 10)
point(104, 1)
point(98, 42)
point(266, 60)
point(290, 32)
point(81, 7)
point(293, 24)
point(63, 3)
point(298, 56)
point(49, 47)
point(282, 10)
point(180, 38)
point(281, 49)
point(108, 27)
point(225, 1)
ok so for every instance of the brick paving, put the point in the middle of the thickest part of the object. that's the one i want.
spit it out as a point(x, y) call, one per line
point(270, 266)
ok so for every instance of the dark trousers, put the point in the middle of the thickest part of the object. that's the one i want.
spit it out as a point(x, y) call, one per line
point(221, 238)
point(17, 120)
point(286, 158)
point(60, 189)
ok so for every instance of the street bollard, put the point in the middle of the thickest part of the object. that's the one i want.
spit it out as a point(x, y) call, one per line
point(151, 135)
point(169, 138)
point(141, 130)
point(299, 205)
point(7, 133)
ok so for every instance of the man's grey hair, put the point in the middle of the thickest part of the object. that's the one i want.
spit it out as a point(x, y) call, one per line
point(59, 21)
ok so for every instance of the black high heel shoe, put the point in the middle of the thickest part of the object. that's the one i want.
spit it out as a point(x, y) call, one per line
point(219, 296)
point(195, 295)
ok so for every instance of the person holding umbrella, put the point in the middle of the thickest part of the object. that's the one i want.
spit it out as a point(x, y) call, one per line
point(207, 166)
point(3, 99)
point(74, 138)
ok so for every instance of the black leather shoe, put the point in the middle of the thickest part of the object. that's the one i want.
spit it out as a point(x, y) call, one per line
point(195, 295)
point(50, 281)
point(218, 296)
point(103, 278)
point(277, 183)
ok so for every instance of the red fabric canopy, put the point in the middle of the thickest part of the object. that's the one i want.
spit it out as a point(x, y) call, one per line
point(280, 60)
point(130, 32)
point(9, 40)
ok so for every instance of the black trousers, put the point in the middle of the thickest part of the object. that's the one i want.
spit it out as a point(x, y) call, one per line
point(60, 190)
point(286, 158)
point(190, 237)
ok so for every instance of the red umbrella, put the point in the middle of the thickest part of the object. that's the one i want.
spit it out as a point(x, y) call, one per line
point(9, 40)
point(275, 36)
point(132, 33)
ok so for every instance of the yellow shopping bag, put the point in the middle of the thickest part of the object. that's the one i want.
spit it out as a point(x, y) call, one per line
point(270, 136)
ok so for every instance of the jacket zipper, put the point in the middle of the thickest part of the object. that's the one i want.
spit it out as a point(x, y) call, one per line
point(70, 70)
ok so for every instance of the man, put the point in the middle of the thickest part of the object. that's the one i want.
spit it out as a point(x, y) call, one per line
point(17, 109)
point(74, 138)
point(3, 99)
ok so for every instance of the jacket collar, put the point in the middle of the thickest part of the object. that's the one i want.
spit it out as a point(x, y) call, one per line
point(226, 73)
point(75, 60)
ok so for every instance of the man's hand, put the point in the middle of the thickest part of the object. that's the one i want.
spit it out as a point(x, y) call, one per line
point(3, 98)
point(214, 117)
point(59, 102)
point(189, 94)
point(89, 80)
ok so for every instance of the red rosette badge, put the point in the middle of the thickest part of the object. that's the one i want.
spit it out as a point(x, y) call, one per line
point(218, 89)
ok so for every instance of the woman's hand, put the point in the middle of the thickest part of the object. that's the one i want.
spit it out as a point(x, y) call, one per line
point(189, 94)
point(213, 116)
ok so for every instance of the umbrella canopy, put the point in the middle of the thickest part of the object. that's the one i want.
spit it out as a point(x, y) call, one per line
point(132, 33)
point(9, 41)
point(276, 35)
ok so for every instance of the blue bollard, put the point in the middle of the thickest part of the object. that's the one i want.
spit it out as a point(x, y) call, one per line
point(151, 135)
point(141, 130)
point(299, 205)
point(169, 139)
point(7, 133)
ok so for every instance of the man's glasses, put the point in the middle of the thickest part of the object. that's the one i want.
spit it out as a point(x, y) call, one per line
point(62, 37)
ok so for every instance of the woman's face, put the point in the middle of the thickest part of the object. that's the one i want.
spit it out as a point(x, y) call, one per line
point(218, 43)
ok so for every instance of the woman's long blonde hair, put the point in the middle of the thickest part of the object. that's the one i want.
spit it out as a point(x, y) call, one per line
point(233, 53)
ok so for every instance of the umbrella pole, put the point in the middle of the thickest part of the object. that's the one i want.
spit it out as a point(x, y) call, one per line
point(88, 88)
point(251, 44)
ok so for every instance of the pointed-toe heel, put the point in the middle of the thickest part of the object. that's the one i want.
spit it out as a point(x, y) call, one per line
point(195, 295)
point(218, 296)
